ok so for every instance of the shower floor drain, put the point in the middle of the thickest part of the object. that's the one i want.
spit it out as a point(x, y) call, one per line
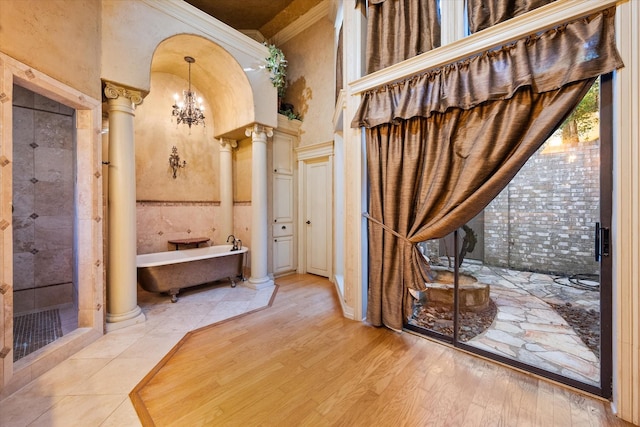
point(35, 330)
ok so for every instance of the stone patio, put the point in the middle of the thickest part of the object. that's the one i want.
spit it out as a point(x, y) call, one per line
point(527, 328)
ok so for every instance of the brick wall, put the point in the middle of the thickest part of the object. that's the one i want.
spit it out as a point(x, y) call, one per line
point(544, 220)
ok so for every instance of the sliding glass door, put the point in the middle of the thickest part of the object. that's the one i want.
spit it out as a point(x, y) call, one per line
point(528, 281)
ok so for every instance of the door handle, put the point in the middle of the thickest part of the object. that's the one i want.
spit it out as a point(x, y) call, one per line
point(308, 222)
point(601, 242)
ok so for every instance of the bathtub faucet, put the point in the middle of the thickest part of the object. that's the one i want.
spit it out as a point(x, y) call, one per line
point(233, 239)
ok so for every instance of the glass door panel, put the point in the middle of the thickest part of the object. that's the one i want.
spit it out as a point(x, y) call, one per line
point(540, 262)
point(433, 308)
point(527, 282)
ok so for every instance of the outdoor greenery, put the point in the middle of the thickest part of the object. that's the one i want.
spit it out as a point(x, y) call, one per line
point(584, 118)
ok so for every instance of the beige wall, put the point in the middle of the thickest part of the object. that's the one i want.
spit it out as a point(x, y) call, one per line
point(159, 222)
point(156, 132)
point(242, 171)
point(184, 207)
point(187, 206)
point(311, 76)
point(57, 37)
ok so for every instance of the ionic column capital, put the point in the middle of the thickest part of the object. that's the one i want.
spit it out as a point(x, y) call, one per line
point(228, 144)
point(256, 131)
point(112, 91)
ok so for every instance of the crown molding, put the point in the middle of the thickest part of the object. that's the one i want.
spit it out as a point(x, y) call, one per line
point(315, 14)
point(255, 35)
point(306, 152)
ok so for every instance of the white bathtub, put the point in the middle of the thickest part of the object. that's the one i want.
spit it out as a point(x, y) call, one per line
point(174, 270)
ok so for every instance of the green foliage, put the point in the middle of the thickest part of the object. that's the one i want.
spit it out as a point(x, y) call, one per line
point(277, 66)
point(583, 119)
point(291, 115)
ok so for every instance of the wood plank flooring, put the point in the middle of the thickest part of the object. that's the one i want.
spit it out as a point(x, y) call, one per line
point(300, 363)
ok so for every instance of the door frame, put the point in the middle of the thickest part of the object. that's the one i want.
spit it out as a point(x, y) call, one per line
point(606, 270)
point(304, 155)
point(606, 263)
point(606, 216)
point(88, 218)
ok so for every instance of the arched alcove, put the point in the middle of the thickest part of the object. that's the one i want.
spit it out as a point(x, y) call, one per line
point(221, 80)
point(170, 208)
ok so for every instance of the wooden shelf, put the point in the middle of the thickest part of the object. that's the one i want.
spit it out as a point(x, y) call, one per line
point(186, 242)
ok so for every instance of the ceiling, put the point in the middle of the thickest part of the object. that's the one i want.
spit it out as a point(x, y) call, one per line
point(266, 16)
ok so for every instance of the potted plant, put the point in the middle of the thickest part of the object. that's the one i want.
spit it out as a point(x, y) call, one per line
point(277, 66)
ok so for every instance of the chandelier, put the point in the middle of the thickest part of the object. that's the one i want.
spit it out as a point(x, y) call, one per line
point(190, 109)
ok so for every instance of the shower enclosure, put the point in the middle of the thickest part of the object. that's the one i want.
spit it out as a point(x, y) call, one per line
point(45, 291)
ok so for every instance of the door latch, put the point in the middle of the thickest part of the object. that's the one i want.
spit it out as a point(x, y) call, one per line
point(601, 242)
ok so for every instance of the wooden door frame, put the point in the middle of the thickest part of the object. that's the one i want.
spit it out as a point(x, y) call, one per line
point(305, 155)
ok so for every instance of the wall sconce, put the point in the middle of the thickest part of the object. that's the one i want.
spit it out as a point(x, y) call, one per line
point(174, 161)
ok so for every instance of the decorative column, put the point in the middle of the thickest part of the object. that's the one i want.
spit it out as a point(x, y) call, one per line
point(226, 186)
point(259, 205)
point(122, 299)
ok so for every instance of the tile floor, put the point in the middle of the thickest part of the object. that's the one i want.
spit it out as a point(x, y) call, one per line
point(92, 387)
point(35, 330)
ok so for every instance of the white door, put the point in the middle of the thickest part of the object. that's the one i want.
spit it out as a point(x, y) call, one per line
point(282, 254)
point(283, 198)
point(317, 215)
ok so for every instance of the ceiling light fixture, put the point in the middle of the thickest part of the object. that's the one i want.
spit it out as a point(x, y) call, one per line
point(190, 109)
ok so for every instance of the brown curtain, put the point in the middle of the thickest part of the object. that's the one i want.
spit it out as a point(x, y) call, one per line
point(400, 29)
point(442, 145)
point(486, 13)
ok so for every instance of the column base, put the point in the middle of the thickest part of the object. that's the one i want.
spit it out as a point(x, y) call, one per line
point(115, 322)
point(257, 284)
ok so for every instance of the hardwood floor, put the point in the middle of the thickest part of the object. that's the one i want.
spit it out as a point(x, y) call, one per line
point(300, 363)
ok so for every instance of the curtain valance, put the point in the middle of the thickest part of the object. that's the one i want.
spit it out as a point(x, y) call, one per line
point(579, 50)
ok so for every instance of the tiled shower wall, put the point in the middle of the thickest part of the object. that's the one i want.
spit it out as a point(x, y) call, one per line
point(43, 202)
